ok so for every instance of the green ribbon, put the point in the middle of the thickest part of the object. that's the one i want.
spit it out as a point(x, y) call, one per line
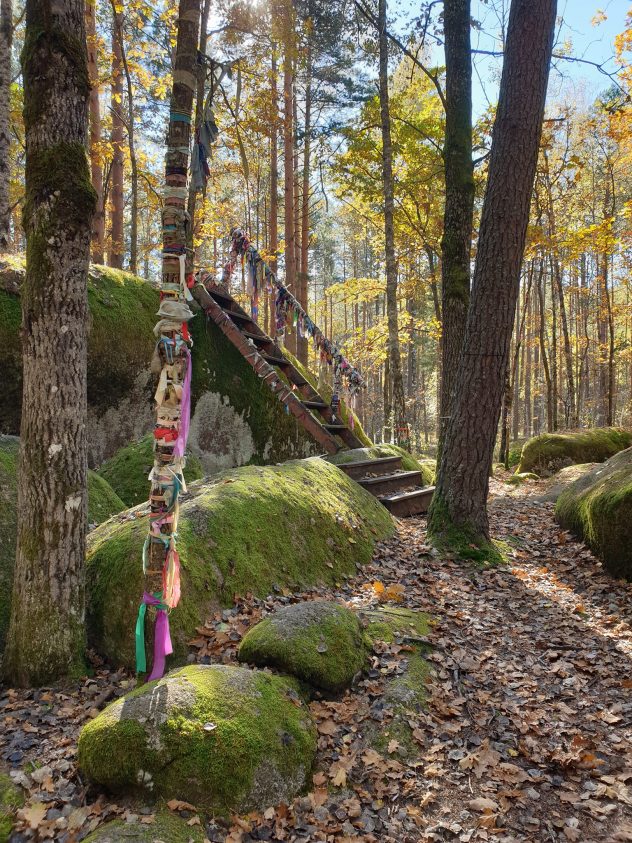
point(154, 599)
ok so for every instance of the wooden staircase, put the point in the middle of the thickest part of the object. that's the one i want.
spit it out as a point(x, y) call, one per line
point(268, 361)
point(400, 491)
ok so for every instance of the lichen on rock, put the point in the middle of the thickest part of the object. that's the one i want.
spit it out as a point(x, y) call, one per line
point(317, 641)
point(598, 508)
point(547, 453)
point(244, 530)
point(222, 737)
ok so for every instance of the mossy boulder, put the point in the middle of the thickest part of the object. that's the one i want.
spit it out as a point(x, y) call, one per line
point(166, 827)
point(102, 503)
point(563, 479)
point(250, 529)
point(549, 452)
point(598, 508)
point(11, 798)
point(221, 737)
point(127, 471)
point(375, 452)
point(519, 478)
point(236, 419)
point(318, 642)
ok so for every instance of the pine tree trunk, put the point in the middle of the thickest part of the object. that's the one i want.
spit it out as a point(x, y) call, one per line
point(398, 404)
point(302, 344)
point(46, 638)
point(273, 222)
point(117, 244)
point(98, 222)
point(459, 196)
point(6, 40)
point(288, 168)
point(460, 500)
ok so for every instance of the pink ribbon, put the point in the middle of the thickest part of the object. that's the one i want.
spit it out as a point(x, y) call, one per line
point(185, 410)
point(162, 638)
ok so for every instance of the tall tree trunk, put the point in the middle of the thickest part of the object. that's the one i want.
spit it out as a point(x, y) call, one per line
point(459, 196)
point(167, 461)
point(96, 166)
point(288, 165)
point(6, 40)
point(544, 353)
point(460, 499)
point(192, 205)
point(273, 223)
point(131, 145)
point(46, 638)
point(117, 245)
point(400, 427)
point(302, 345)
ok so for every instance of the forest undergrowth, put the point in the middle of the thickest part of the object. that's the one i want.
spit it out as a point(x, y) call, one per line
point(525, 733)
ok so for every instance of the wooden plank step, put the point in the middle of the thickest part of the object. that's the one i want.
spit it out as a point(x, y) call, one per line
point(275, 361)
point(221, 296)
point(238, 317)
point(409, 503)
point(315, 405)
point(382, 465)
point(257, 338)
point(391, 482)
point(334, 427)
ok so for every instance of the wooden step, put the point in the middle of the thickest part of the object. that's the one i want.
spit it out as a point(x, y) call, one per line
point(275, 361)
point(257, 338)
point(409, 503)
point(333, 428)
point(391, 482)
point(221, 295)
point(238, 317)
point(382, 465)
point(315, 405)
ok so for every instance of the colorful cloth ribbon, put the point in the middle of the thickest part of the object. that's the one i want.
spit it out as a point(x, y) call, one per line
point(162, 636)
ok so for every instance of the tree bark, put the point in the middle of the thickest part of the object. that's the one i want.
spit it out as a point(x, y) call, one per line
point(6, 41)
point(46, 638)
point(288, 164)
point(398, 404)
point(274, 182)
point(459, 196)
point(192, 203)
point(117, 244)
point(98, 221)
point(302, 345)
point(460, 502)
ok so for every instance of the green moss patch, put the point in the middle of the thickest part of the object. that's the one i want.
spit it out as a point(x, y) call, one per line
point(598, 508)
point(549, 452)
point(405, 694)
point(461, 541)
point(166, 826)
point(127, 471)
point(102, 503)
point(222, 737)
point(249, 529)
point(318, 642)
point(11, 798)
point(518, 479)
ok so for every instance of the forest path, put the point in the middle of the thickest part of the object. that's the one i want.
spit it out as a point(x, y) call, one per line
point(526, 733)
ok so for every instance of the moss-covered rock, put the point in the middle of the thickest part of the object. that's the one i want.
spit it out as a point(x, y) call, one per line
point(248, 529)
point(317, 641)
point(375, 452)
point(549, 452)
point(222, 737)
point(405, 692)
point(102, 503)
point(166, 826)
point(236, 419)
point(127, 471)
point(11, 798)
point(518, 478)
point(598, 508)
point(563, 479)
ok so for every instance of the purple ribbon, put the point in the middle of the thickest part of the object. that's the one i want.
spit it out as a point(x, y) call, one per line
point(185, 410)
point(162, 638)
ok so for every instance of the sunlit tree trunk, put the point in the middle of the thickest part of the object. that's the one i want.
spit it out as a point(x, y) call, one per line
point(459, 506)
point(46, 637)
point(288, 167)
point(274, 180)
point(302, 344)
point(98, 222)
point(117, 245)
point(398, 404)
